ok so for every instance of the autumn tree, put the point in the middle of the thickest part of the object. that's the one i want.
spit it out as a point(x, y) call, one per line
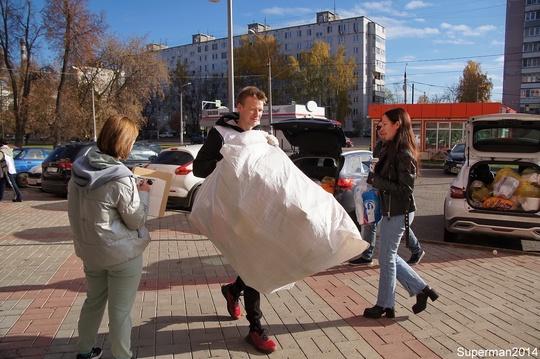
point(324, 78)
point(474, 86)
point(251, 65)
point(19, 35)
point(74, 33)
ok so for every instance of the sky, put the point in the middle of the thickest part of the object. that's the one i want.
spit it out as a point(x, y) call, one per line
point(431, 39)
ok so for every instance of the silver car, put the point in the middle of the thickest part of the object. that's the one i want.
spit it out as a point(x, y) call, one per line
point(497, 191)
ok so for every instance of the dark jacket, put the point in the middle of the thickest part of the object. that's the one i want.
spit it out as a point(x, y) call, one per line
point(210, 154)
point(395, 182)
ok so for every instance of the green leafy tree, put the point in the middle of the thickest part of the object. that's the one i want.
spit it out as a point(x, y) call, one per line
point(474, 85)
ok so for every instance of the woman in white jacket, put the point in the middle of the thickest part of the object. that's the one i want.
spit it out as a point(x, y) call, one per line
point(107, 213)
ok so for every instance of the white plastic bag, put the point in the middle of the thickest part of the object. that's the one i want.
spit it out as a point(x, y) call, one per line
point(270, 221)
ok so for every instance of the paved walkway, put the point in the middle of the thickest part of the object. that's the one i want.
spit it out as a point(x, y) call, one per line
point(488, 302)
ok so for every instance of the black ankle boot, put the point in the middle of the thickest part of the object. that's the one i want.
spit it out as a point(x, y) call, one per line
point(422, 297)
point(376, 312)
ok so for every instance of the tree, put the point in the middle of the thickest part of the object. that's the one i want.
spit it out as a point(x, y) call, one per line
point(74, 33)
point(20, 30)
point(474, 86)
point(325, 78)
point(251, 65)
point(422, 99)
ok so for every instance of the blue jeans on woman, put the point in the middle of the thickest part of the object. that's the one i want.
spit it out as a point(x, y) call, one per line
point(392, 266)
point(369, 234)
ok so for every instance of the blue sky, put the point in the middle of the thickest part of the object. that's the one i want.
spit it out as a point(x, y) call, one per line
point(433, 39)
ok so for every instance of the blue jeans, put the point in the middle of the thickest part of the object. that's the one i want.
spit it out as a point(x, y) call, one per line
point(4, 181)
point(392, 266)
point(369, 234)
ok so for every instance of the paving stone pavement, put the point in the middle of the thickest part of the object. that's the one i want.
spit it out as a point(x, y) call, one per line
point(488, 305)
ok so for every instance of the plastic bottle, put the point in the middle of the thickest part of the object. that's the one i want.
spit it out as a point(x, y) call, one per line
point(372, 209)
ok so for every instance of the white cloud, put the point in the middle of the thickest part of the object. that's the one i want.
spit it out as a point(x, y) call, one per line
point(416, 4)
point(286, 10)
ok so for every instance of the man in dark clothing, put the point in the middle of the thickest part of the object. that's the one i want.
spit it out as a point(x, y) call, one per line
point(249, 105)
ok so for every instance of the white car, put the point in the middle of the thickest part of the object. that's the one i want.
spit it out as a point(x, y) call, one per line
point(179, 162)
point(497, 191)
point(34, 176)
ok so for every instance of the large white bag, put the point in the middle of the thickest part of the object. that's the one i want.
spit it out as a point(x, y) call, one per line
point(271, 222)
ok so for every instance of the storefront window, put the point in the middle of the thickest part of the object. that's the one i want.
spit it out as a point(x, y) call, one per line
point(443, 135)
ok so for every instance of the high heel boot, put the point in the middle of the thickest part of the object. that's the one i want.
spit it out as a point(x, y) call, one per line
point(422, 297)
point(376, 312)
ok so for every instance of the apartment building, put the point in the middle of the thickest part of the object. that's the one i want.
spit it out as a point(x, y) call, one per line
point(361, 37)
point(521, 79)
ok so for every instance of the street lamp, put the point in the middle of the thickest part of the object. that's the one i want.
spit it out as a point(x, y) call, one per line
point(269, 78)
point(182, 114)
point(230, 55)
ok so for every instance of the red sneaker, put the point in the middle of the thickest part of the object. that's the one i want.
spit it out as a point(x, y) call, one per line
point(261, 342)
point(232, 303)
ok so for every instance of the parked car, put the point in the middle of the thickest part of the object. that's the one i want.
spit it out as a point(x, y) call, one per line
point(196, 138)
point(167, 134)
point(455, 159)
point(318, 154)
point(497, 191)
point(56, 168)
point(179, 162)
point(25, 159)
point(34, 176)
point(143, 153)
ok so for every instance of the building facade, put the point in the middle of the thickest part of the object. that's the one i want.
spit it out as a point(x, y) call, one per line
point(521, 78)
point(437, 126)
point(362, 39)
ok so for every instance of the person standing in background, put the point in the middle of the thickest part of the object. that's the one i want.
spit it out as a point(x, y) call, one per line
point(8, 172)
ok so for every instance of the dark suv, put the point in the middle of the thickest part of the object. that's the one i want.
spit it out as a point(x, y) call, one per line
point(56, 169)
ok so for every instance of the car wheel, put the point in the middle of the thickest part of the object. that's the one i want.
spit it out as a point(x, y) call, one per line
point(22, 179)
point(449, 236)
point(193, 195)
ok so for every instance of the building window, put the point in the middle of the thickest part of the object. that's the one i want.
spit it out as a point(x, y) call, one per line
point(531, 62)
point(299, 33)
point(308, 32)
point(299, 45)
point(356, 27)
point(288, 35)
point(532, 15)
point(443, 135)
point(531, 46)
point(528, 78)
point(341, 39)
point(342, 28)
point(319, 34)
point(329, 29)
point(309, 44)
point(528, 93)
point(532, 31)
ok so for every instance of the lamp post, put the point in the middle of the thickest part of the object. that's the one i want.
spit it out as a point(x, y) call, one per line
point(182, 113)
point(269, 63)
point(230, 55)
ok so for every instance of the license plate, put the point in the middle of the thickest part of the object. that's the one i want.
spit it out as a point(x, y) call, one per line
point(52, 169)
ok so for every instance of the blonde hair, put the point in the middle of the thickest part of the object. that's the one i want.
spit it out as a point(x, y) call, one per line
point(117, 136)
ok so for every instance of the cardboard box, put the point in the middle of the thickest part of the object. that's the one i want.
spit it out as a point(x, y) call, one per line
point(159, 190)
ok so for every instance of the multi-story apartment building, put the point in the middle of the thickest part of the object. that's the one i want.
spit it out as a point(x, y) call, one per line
point(521, 79)
point(362, 39)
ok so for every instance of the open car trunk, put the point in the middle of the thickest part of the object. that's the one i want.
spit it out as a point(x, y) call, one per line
point(317, 143)
point(505, 163)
